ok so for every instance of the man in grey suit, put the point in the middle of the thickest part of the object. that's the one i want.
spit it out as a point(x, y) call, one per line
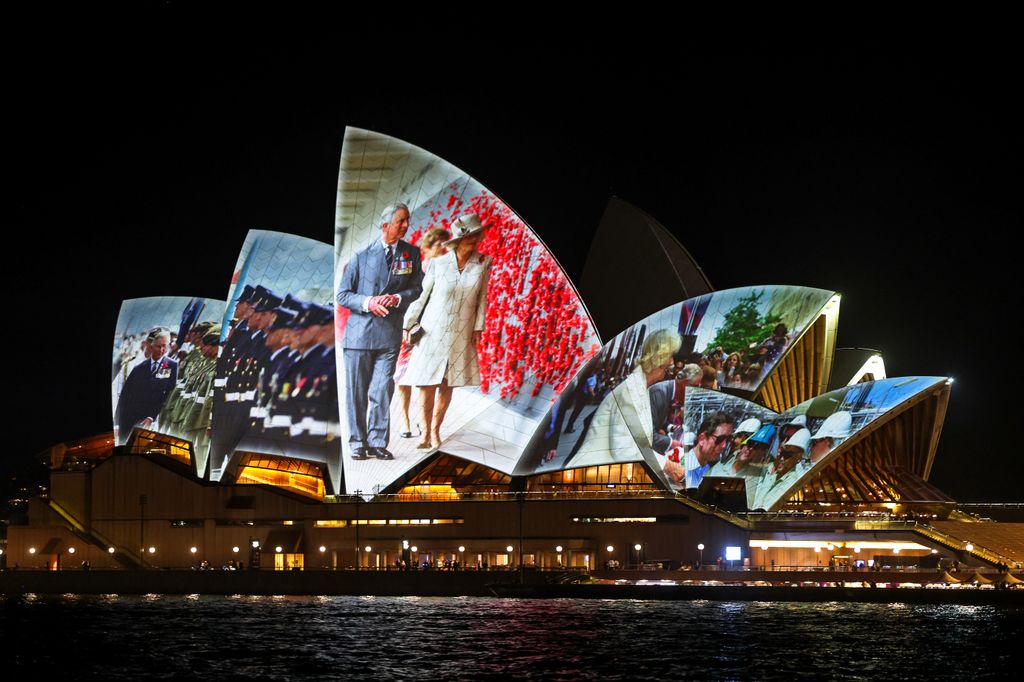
point(377, 287)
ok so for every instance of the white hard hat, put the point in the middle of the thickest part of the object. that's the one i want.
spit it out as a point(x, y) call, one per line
point(836, 425)
point(689, 438)
point(750, 425)
point(801, 439)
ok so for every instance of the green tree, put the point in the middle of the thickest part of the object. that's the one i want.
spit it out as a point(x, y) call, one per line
point(744, 326)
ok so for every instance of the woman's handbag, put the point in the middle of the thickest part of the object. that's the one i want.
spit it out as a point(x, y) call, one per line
point(415, 334)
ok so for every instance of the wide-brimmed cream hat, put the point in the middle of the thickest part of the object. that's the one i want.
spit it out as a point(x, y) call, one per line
point(465, 226)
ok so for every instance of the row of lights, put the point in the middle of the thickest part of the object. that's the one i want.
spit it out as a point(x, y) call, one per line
point(558, 548)
point(323, 549)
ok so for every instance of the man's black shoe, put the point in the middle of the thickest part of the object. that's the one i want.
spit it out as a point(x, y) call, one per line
point(382, 453)
point(361, 453)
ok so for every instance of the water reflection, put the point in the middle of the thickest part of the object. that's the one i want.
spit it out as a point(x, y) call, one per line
point(124, 637)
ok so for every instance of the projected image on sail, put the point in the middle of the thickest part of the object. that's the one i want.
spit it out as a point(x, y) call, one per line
point(164, 348)
point(457, 326)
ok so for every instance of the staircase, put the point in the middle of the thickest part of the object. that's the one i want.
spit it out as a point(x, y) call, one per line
point(123, 556)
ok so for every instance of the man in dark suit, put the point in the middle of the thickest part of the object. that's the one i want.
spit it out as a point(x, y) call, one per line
point(147, 387)
point(377, 287)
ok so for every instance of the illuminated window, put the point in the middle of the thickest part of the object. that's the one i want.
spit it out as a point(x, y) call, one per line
point(341, 523)
point(284, 472)
point(616, 519)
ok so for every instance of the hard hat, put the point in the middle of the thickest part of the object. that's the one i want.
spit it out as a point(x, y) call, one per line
point(836, 425)
point(763, 436)
point(749, 425)
point(799, 420)
point(801, 439)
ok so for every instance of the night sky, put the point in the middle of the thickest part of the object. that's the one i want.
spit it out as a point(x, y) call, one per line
point(141, 159)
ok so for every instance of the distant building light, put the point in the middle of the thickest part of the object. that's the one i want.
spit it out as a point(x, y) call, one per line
point(278, 549)
point(193, 549)
point(322, 549)
point(71, 550)
point(367, 549)
point(462, 548)
point(31, 550)
point(152, 550)
point(969, 547)
point(235, 549)
point(509, 549)
point(610, 548)
point(558, 549)
point(110, 550)
point(414, 549)
point(637, 546)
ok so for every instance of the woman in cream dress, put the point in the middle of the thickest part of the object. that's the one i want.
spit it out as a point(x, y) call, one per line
point(451, 312)
point(431, 247)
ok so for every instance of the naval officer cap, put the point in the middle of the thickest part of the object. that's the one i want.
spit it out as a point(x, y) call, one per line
point(268, 302)
point(285, 319)
point(247, 294)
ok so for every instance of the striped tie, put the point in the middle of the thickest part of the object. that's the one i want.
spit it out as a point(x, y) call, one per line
point(390, 257)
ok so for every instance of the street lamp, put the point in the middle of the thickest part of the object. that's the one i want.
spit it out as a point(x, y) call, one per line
point(71, 550)
point(462, 557)
point(508, 552)
point(638, 547)
point(193, 549)
point(234, 549)
point(700, 560)
point(152, 550)
point(110, 550)
point(969, 547)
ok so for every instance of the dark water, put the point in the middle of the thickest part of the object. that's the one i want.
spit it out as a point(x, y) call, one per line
point(259, 638)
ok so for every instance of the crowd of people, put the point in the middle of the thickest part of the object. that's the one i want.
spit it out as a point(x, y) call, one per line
point(742, 369)
point(275, 378)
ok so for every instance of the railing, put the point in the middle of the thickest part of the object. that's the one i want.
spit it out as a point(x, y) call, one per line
point(92, 536)
point(498, 496)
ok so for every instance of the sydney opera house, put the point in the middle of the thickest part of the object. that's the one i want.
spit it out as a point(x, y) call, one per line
point(432, 389)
